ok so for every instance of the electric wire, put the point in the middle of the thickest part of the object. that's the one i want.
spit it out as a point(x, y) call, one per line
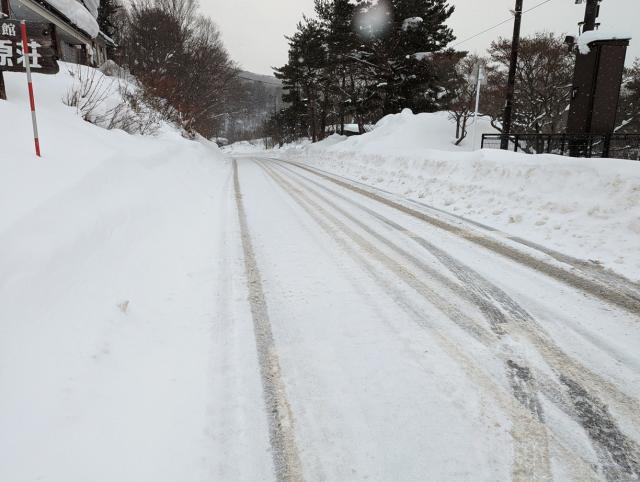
point(500, 24)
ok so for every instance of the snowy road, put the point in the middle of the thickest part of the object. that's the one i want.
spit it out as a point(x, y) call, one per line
point(395, 342)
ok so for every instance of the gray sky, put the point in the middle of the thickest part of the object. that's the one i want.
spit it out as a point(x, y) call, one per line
point(253, 30)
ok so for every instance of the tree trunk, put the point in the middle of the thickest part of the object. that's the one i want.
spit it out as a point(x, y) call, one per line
point(463, 135)
point(314, 128)
point(342, 108)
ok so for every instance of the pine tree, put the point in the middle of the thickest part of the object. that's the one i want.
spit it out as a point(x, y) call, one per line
point(401, 44)
point(304, 76)
point(362, 59)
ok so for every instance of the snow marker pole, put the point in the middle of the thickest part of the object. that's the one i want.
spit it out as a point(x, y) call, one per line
point(32, 100)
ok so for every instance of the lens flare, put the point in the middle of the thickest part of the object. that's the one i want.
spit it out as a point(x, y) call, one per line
point(374, 21)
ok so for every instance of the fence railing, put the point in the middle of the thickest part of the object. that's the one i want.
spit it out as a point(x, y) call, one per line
point(619, 146)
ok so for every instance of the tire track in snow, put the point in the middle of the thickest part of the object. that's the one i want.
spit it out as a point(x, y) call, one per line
point(587, 268)
point(619, 455)
point(531, 458)
point(286, 460)
point(619, 297)
point(481, 291)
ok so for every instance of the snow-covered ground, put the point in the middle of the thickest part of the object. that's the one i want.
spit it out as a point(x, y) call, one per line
point(113, 280)
point(169, 313)
point(586, 208)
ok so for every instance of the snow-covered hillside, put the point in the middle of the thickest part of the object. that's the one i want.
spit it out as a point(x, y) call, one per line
point(587, 208)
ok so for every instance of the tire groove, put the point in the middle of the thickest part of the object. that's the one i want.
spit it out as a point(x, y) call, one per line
point(620, 298)
point(619, 455)
point(529, 433)
point(284, 451)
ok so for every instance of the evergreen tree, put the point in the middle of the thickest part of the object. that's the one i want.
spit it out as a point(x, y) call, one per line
point(400, 37)
point(304, 76)
point(362, 59)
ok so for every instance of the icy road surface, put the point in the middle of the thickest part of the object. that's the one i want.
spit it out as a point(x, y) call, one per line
point(399, 344)
point(185, 317)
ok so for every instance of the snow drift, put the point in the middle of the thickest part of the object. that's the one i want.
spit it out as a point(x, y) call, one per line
point(108, 249)
point(588, 208)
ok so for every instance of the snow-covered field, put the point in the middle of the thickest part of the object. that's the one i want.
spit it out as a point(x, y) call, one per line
point(586, 208)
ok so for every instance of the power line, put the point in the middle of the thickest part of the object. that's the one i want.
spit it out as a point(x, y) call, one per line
point(499, 24)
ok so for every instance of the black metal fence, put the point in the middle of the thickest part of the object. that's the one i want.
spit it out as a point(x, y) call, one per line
point(619, 146)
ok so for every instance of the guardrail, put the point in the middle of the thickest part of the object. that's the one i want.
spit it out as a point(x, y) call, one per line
point(619, 146)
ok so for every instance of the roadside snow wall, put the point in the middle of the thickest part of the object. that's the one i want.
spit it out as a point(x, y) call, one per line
point(587, 208)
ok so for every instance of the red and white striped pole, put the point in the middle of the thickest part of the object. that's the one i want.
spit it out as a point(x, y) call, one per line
point(32, 100)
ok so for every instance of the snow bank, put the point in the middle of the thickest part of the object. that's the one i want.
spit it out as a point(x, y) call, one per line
point(108, 252)
point(411, 134)
point(79, 15)
point(589, 209)
point(597, 35)
point(244, 147)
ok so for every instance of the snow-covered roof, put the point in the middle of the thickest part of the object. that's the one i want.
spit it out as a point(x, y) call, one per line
point(92, 6)
point(82, 17)
point(595, 35)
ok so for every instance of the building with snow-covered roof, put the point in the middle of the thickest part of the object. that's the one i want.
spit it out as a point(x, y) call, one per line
point(78, 36)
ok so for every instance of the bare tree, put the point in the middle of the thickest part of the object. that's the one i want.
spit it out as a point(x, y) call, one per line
point(629, 105)
point(463, 98)
point(178, 56)
point(543, 83)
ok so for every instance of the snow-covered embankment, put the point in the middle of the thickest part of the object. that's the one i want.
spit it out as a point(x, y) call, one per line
point(109, 258)
point(587, 208)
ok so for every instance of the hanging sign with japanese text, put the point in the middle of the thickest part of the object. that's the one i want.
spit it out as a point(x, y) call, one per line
point(42, 47)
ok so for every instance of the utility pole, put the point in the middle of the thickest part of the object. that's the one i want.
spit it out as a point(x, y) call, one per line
point(511, 86)
point(591, 15)
point(4, 12)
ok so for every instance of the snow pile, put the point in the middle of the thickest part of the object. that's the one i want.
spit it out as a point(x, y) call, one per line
point(78, 14)
point(257, 146)
point(412, 134)
point(245, 147)
point(412, 23)
point(108, 252)
point(589, 209)
point(598, 35)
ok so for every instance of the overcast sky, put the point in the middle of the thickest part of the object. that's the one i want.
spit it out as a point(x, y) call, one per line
point(254, 30)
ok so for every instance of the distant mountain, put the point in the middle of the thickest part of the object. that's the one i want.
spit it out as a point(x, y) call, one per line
point(258, 98)
point(263, 79)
